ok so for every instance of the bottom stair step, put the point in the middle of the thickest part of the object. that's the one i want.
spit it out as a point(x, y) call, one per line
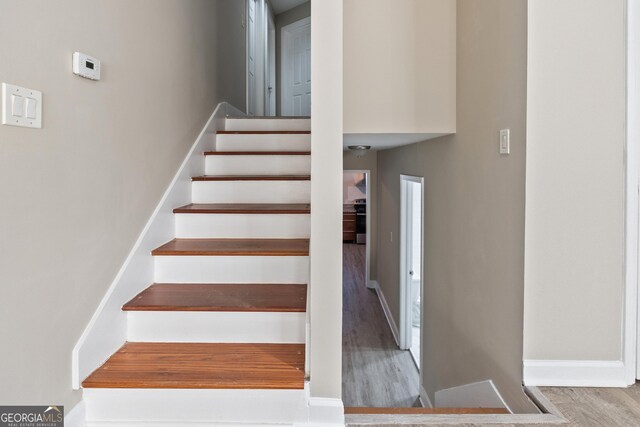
point(202, 366)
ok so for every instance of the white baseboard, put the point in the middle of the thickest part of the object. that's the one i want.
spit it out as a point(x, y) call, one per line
point(387, 313)
point(424, 398)
point(575, 373)
point(107, 329)
point(76, 416)
point(482, 394)
point(323, 412)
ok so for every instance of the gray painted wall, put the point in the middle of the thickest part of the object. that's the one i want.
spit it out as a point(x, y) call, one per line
point(474, 211)
point(78, 192)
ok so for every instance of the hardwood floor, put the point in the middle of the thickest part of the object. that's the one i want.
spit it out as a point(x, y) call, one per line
point(375, 373)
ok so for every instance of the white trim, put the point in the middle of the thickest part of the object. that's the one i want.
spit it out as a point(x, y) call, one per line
point(481, 394)
point(387, 312)
point(424, 398)
point(76, 416)
point(369, 283)
point(107, 329)
point(630, 342)
point(285, 46)
point(324, 412)
point(575, 373)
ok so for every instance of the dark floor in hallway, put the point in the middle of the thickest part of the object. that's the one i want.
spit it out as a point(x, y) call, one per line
point(375, 372)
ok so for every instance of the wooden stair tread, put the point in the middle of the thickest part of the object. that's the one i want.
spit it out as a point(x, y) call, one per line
point(234, 247)
point(264, 132)
point(252, 178)
point(261, 297)
point(257, 153)
point(202, 366)
point(418, 411)
point(243, 208)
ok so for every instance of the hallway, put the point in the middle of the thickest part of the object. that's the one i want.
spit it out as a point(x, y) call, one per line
point(375, 373)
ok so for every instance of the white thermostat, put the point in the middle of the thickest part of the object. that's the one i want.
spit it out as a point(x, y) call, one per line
point(86, 66)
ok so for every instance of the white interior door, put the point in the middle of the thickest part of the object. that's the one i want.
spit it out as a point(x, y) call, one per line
point(296, 68)
point(411, 241)
point(270, 94)
point(256, 40)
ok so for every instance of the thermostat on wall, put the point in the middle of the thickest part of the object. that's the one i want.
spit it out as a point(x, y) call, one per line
point(86, 66)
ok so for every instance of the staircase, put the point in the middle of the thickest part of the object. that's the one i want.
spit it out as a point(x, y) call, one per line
point(220, 336)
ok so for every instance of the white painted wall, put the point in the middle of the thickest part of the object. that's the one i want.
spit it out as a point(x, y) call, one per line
point(399, 66)
point(325, 302)
point(574, 244)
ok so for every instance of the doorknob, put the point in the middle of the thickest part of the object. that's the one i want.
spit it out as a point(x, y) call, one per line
point(411, 272)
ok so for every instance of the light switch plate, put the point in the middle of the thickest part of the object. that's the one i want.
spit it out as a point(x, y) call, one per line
point(505, 141)
point(25, 111)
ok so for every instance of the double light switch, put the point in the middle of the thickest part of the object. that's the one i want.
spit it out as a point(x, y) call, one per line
point(21, 106)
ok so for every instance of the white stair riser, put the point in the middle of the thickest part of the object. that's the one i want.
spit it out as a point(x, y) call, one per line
point(263, 142)
point(238, 226)
point(220, 327)
point(267, 124)
point(251, 192)
point(232, 269)
point(258, 165)
point(189, 405)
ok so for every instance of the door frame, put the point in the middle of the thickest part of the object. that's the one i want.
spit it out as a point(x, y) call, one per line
point(285, 57)
point(367, 174)
point(270, 77)
point(631, 326)
point(258, 95)
point(405, 253)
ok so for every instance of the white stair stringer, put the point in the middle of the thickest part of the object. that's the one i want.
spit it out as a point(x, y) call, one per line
point(260, 164)
point(252, 191)
point(238, 226)
point(231, 269)
point(218, 327)
point(267, 124)
point(263, 142)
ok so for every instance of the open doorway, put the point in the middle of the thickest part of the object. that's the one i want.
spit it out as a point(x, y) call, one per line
point(356, 225)
point(376, 372)
point(278, 57)
point(411, 225)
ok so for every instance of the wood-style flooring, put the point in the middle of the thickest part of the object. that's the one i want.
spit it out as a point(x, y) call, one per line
point(375, 373)
point(597, 406)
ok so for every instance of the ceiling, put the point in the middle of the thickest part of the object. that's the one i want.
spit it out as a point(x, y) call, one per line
point(382, 141)
point(280, 6)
